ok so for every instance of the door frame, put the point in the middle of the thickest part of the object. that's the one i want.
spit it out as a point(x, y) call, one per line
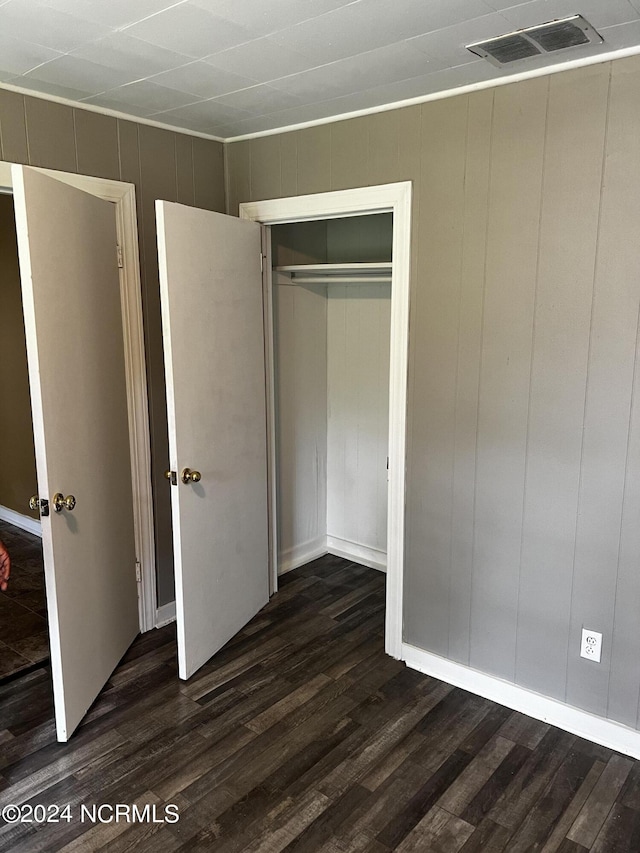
point(387, 198)
point(123, 197)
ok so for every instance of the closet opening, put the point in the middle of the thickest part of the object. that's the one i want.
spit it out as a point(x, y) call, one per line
point(24, 638)
point(336, 329)
point(331, 287)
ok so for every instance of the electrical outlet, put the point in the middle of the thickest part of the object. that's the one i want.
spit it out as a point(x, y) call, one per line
point(591, 646)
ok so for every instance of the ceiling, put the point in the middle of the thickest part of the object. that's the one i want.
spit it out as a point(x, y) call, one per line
point(227, 68)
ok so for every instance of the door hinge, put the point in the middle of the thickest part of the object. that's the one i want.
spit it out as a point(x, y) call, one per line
point(138, 571)
point(119, 254)
point(261, 262)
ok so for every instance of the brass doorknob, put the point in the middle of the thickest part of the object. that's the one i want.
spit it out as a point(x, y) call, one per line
point(60, 502)
point(189, 476)
point(39, 503)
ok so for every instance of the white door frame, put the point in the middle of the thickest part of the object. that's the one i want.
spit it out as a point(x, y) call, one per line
point(123, 196)
point(394, 198)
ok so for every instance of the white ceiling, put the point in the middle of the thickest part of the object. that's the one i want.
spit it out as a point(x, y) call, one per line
point(232, 67)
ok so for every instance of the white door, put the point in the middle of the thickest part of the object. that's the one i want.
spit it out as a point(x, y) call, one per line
point(73, 321)
point(212, 315)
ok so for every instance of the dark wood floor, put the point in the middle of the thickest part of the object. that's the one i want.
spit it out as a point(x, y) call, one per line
point(24, 638)
point(302, 736)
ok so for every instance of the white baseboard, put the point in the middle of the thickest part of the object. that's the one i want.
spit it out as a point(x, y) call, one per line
point(165, 614)
point(597, 729)
point(293, 558)
point(299, 555)
point(24, 522)
point(370, 557)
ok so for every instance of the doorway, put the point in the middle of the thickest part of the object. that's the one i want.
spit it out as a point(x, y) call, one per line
point(331, 285)
point(394, 199)
point(122, 195)
point(217, 313)
point(79, 284)
point(24, 638)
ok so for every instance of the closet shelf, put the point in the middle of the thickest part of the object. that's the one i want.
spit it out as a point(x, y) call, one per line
point(361, 273)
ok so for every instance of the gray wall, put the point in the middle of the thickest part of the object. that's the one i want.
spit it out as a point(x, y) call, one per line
point(17, 455)
point(162, 164)
point(524, 430)
point(360, 238)
point(346, 241)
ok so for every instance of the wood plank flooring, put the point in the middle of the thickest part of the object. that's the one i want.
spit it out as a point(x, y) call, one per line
point(24, 638)
point(301, 735)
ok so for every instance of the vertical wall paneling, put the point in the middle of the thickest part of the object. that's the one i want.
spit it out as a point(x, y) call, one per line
point(129, 154)
point(299, 243)
point(358, 327)
point(625, 643)
point(384, 149)
point(314, 159)
point(51, 135)
point(523, 426)
point(351, 239)
point(129, 158)
point(289, 164)
point(184, 170)
point(238, 175)
point(410, 147)
point(265, 168)
point(568, 235)
point(158, 179)
point(300, 319)
point(472, 281)
point(350, 153)
point(17, 454)
point(511, 266)
point(97, 144)
point(54, 136)
point(208, 168)
point(13, 128)
point(340, 396)
point(608, 405)
point(434, 358)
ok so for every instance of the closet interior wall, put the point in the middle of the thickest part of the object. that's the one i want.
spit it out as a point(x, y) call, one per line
point(332, 394)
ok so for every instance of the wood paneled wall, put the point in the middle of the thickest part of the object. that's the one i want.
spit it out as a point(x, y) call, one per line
point(17, 455)
point(332, 415)
point(162, 164)
point(523, 492)
point(300, 342)
point(358, 327)
point(359, 238)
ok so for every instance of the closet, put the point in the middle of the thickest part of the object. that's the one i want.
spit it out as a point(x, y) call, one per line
point(331, 317)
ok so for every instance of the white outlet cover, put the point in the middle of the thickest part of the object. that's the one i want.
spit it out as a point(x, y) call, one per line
point(591, 646)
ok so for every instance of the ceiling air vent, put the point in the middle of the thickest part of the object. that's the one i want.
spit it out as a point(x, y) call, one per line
point(537, 41)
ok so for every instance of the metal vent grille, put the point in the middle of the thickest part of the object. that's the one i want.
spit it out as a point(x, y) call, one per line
point(559, 35)
point(537, 41)
point(510, 48)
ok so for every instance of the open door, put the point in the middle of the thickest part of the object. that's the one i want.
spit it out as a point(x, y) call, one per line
point(71, 296)
point(212, 315)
